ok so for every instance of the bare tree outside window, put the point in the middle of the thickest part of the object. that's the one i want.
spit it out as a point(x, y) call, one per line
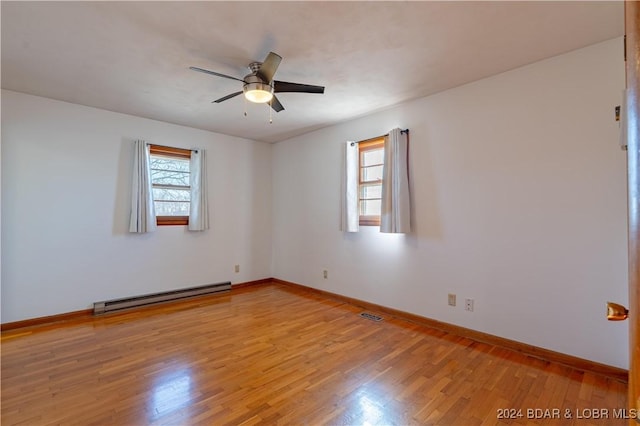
point(170, 183)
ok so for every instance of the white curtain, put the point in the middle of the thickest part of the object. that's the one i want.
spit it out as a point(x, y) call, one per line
point(199, 211)
point(395, 214)
point(143, 215)
point(350, 214)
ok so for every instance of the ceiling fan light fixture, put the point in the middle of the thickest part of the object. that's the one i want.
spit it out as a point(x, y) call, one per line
point(259, 93)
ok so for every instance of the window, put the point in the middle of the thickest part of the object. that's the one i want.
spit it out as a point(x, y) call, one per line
point(371, 160)
point(170, 182)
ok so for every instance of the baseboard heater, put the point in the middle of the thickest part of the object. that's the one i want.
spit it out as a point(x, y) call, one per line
point(149, 299)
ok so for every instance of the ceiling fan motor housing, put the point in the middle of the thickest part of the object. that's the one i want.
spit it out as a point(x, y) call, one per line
point(254, 67)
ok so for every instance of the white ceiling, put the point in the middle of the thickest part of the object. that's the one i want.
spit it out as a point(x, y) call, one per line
point(133, 57)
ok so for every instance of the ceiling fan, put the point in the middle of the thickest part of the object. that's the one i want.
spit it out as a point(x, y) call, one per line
point(259, 86)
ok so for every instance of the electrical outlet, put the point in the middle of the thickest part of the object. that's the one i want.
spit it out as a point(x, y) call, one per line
point(237, 268)
point(452, 299)
point(468, 305)
point(325, 274)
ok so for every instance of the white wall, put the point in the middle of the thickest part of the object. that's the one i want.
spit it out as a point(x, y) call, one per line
point(66, 172)
point(518, 187)
point(0, 223)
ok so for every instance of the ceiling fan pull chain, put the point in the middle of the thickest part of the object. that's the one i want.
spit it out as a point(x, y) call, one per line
point(271, 111)
point(245, 106)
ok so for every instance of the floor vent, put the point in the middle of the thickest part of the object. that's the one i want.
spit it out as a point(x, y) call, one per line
point(372, 317)
point(149, 299)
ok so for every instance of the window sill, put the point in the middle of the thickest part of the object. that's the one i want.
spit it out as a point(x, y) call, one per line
point(172, 220)
point(369, 220)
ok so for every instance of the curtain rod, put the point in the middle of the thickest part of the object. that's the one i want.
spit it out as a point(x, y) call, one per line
point(165, 146)
point(378, 137)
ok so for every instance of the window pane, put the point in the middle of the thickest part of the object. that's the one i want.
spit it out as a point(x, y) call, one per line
point(169, 171)
point(164, 177)
point(374, 156)
point(171, 208)
point(370, 207)
point(372, 173)
point(170, 178)
point(370, 191)
point(176, 164)
point(164, 194)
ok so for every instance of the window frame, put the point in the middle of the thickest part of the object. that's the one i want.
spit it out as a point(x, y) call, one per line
point(364, 146)
point(170, 152)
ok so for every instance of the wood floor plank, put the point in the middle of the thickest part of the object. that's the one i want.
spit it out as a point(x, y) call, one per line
point(273, 355)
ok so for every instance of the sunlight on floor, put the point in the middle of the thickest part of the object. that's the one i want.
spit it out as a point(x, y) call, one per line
point(372, 411)
point(171, 392)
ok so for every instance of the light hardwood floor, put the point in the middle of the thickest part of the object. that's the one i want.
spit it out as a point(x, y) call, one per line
point(270, 354)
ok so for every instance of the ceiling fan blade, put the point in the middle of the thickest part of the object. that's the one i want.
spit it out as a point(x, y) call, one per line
point(269, 67)
point(214, 73)
point(224, 98)
point(276, 105)
point(283, 86)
